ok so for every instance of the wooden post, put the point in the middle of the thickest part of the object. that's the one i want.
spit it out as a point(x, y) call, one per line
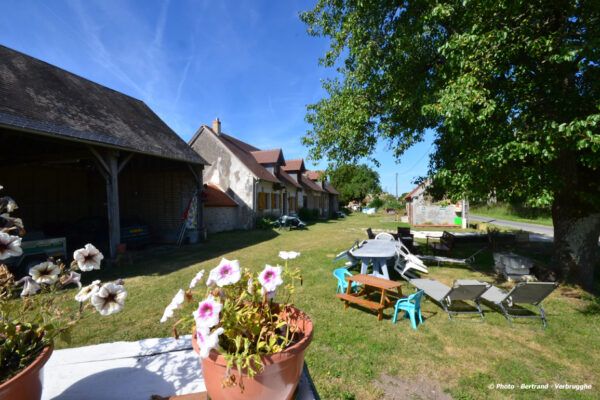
point(112, 191)
point(109, 167)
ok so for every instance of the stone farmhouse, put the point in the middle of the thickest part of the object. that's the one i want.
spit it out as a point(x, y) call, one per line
point(261, 182)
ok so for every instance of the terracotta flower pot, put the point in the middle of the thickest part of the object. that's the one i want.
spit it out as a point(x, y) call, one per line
point(280, 375)
point(27, 384)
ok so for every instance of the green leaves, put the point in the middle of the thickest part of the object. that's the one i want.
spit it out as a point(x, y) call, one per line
point(512, 89)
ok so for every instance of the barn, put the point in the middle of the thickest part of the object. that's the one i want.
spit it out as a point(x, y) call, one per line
point(89, 163)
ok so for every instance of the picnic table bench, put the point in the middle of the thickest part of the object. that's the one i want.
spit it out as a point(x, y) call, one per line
point(370, 284)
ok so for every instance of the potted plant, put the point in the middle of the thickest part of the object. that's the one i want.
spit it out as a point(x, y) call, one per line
point(32, 311)
point(250, 346)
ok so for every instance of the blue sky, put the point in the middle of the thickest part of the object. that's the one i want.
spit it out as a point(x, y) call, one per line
point(249, 63)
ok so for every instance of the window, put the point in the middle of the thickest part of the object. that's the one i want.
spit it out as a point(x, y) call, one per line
point(262, 201)
point(273, 200)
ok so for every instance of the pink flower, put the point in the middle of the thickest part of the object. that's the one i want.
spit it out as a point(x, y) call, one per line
point(207, 314)
point(270, 278)
point(207, 341)
point(226, 273)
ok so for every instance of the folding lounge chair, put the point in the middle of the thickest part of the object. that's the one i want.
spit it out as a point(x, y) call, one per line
point(523, 293)
point(352, 261)
point(464, 290)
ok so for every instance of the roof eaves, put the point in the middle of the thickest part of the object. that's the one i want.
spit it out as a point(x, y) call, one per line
point(49, 129)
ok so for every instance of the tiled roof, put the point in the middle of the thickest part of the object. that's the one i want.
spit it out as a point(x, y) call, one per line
point(314, 175)
point(40, 98)
point(294, 165)
point(331, 189)
point(310, 184)
point(285, 177)
point(273, 156)
point(243, 151)
point(213, 196)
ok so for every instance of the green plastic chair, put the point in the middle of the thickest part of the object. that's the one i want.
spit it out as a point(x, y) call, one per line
point(411, 306)
point(342, 284)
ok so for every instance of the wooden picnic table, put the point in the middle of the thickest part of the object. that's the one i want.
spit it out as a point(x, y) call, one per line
point(370, 283)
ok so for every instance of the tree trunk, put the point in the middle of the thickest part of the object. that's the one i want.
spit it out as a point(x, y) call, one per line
point(576, 234)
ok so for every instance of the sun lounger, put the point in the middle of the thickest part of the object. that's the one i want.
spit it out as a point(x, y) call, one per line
point(523, 293)
point(461, 290)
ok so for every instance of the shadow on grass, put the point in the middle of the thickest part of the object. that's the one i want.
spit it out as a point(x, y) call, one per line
point(164, 259)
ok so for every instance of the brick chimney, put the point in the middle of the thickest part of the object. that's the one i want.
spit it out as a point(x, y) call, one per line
point(216, 126)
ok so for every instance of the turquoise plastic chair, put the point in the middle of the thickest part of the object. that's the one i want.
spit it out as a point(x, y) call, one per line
point(411, 306)
point(342, 284)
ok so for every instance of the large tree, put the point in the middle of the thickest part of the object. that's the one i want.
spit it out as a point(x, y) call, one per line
point(511, 88)
point(354, 182)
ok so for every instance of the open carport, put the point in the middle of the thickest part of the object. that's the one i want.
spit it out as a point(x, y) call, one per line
point(81, 158)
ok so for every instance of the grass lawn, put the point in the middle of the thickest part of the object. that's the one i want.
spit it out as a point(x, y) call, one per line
point(352, 353)
point(501, 211)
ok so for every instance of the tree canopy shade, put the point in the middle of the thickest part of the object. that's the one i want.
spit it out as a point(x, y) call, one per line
point(511, 87)
point(354, 182)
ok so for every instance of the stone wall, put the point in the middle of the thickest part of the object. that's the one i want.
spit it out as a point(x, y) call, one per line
point(220, 219)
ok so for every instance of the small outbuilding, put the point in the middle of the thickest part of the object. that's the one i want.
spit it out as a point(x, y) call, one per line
point(84, 161)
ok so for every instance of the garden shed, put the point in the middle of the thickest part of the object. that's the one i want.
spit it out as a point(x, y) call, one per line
point(84, 161)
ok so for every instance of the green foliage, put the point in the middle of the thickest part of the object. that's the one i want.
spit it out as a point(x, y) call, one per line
point(308, 214)
point(511, 90)
point(511, 87)
point(264, 222)
point(20, 344)
point(35, 319)
point(253, 324)
point(354, 182)
point(376, 203)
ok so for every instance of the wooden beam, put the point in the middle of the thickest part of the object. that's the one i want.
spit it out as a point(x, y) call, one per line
point(126, 160)
point(99, 158)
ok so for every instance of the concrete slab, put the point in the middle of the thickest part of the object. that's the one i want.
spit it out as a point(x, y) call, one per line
point(132, 371)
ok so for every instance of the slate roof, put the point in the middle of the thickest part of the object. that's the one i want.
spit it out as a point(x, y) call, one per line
point(294, 165)
point(213, 196)
point(273, 156)
point(37, 97)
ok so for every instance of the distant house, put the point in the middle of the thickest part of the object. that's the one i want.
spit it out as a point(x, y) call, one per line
point(422, 211)
point(252, 177)
point(261, 182)
point(83, 160)
point(329, 202)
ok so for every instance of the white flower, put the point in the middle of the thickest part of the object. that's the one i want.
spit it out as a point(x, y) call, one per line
point(250, 286)
point(87, 292)
point(270, 278)
point(109, 299)
point(10, 246)
point(207, 341)
point(73, 277)
point(196, 279)
point(88, 258)
point(288, 255)
point(30, 287)
point(46, 272)
point(226, 273)
point(207, 314)
point(173, 305)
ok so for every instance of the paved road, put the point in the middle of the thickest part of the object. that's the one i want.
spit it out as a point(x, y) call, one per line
point(535, 228)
